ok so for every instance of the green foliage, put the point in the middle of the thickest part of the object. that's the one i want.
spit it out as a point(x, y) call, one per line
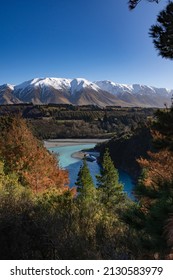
point(148, 220)
point(164, 126)
point(162, 32)
point(86, 188)
point(154, 191)
point(98, 223)
point(67, 121)
point(51, 226)
point(111, 191)
point(10, 186)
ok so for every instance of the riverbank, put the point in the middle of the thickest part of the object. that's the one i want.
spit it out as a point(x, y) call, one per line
point(51, 143)
point(78, 155)
point(70, 153)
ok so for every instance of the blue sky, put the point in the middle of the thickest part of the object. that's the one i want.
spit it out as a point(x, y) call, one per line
point(94, 39)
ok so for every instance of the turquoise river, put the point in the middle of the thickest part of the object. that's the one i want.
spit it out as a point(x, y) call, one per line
point(72, 164)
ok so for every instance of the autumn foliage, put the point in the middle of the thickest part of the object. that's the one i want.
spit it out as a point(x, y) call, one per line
point(97, 223)
point(154, 191)
point(23, 154)
point(159, 168)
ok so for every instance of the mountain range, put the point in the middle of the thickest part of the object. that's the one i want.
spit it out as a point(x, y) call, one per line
point(80, 91)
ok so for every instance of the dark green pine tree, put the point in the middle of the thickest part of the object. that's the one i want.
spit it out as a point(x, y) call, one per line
point(164, 125)
point(85, 185)
point(150, 216)
point(162, 32)
point(111, 191)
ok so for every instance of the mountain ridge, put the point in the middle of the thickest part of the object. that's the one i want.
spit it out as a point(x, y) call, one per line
point(79, 91)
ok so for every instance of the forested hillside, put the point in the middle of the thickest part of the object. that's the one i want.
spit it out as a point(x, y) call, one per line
point(67, 121)
point(127, 147)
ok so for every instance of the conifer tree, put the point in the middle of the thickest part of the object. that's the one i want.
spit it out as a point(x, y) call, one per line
point(162, 32)
point(154, 191)
point(163, 130)
point(108, 182)
point(85, 183)
point(86, 202)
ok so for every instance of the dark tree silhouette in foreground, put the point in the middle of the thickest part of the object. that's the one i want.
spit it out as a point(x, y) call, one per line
point(162, 32)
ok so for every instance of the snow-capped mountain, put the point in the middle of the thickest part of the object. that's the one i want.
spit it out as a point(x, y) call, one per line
point(115, 88)
point(6, 95)
point(71, 85)
point(69, 91)
point(80, 91)
point(139, 95)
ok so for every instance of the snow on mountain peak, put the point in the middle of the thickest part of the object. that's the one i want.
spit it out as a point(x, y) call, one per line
point(79, 83)
point(4, 86)
point(72, 85)
point(81, 91)
point(112, 87)
point(135, 89)
point(57, 83)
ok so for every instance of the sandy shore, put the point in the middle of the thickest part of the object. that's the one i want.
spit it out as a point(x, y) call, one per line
point(79, 155)
point(51, 143)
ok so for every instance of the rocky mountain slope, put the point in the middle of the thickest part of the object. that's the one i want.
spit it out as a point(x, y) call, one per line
point(83, 92)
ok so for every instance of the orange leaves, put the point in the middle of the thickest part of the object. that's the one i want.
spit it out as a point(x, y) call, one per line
point(25, 155)
point(159, 167)
point(157, 136)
